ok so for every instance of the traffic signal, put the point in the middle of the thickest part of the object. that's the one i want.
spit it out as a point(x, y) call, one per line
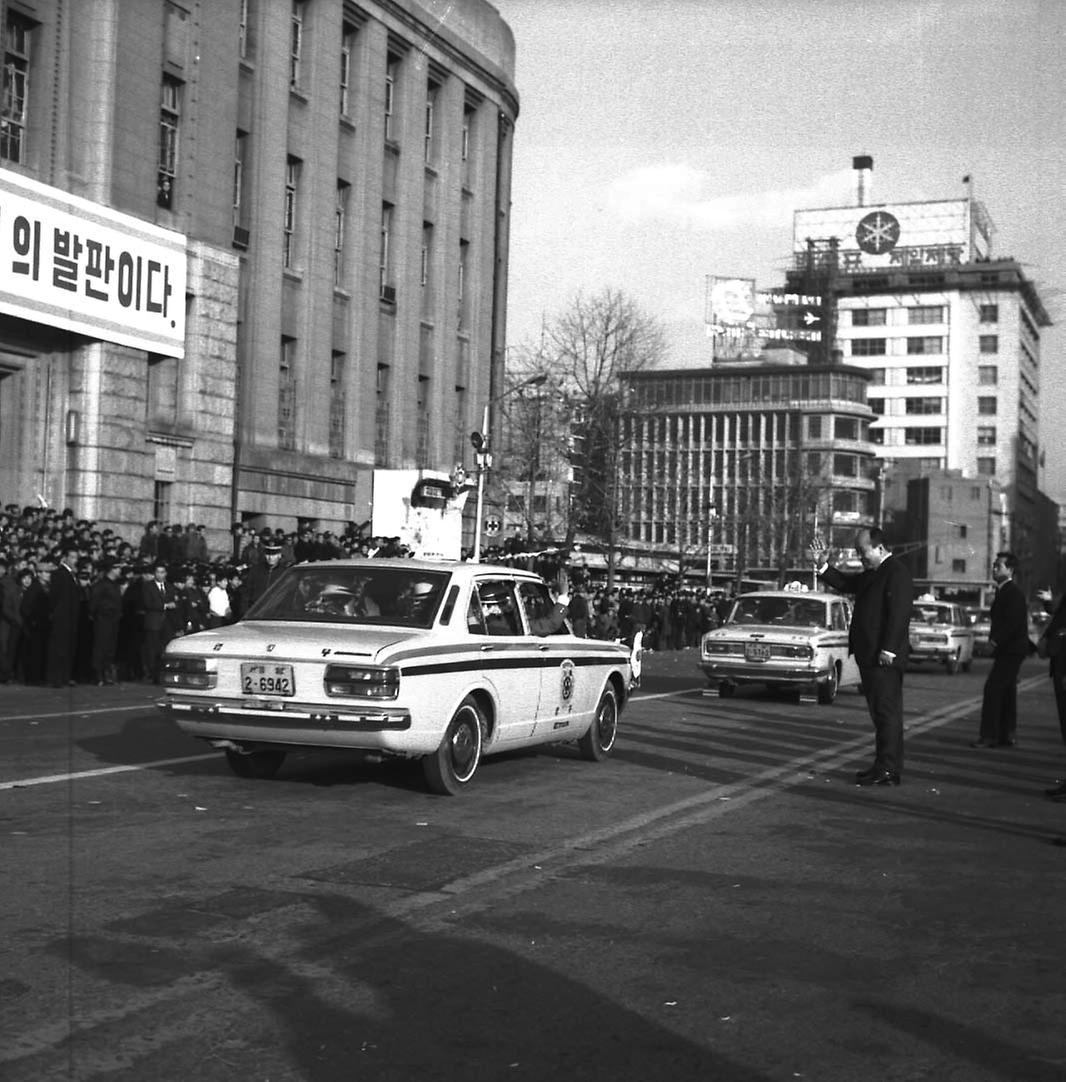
point(477, 440)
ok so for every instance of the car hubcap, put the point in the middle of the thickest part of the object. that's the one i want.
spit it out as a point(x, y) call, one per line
point(465, 746)
point(606, 723)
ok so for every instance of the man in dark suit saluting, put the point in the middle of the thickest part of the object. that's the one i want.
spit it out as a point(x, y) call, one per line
point(879, 640)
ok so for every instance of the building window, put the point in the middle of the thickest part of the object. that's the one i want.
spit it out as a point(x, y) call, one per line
point(347, 51)
point(287, 395)
point(963, 530)
point(986, 435)
point(877, 375)
point(989, 313)
point(927, 344)
point(386, 289)
point(340, 218)
point(988, 343)
point(877, 405)
point(987, 375)
point(869, 317)
point(814, 428)
point(845, 466)
point(464, 250)
point(926, 313)
point(868, 347)
point(337, 404)
point(422, 400)
point(18, 40)
point(466, 143)
point(428, 151)
point(843, 500)
point(986, 406)
point(381, 417)
point(162, 397)
point(925, 405)
point(296, 43)
point(240, 152)
point(877, 435)
point(169, 123)
point(292, 183)
point(846, 428)
point(427, 252)
point(986, 467)
point(922, 436)
point(958, 567)
point(392, 71)
point(161, 501)
point(934, 374)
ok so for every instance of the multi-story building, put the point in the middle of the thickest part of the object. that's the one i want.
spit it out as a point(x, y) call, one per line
point(322, 190)
point(949, 334)
point(743, 462)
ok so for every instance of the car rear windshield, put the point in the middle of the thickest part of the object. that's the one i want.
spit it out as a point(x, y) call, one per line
point(781, 611)
point(391, 596)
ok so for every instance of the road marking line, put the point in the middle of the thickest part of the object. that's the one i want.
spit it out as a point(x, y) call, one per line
point(80, 713)
point(52, 779)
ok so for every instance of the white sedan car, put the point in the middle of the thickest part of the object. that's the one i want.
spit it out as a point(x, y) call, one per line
point(940, 631)
point(788, 638)
point(442, 662)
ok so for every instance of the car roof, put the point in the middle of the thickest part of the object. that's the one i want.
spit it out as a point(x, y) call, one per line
point(459, 568)
point(820, 595)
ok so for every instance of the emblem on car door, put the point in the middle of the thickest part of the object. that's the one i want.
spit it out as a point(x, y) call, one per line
point(566, 680)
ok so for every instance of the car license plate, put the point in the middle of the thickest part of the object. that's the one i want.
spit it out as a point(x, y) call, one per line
point(259, 679)
point(756, 651)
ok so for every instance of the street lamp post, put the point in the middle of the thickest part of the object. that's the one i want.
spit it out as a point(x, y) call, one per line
point(483, 455)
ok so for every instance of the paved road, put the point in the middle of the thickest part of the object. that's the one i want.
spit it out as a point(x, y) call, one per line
point(718, 901)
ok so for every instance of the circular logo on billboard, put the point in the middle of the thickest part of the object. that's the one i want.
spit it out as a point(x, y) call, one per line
point(878, 232)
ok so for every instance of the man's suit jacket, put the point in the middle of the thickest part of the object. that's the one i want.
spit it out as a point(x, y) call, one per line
point(1056, 624)
point(881, 620)
point(156, 616)
point(1009, 621)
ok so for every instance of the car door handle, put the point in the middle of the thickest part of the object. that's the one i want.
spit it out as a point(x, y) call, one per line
point(543, 647)
point(488, 646)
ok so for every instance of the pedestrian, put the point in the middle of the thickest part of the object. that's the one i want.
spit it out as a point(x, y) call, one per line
point(878, 639)
point(264, 573)
point(1052, 645)
point(10, 620)
point(34, 608)
point(105, 611)
point(64, 598)
point(160, 605)
point(1008, 636)
point(219, 611)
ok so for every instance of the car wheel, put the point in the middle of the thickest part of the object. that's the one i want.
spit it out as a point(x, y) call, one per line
point(952, 665)
point(448, 770)
point(263, 763)
point(596, 744)
point(827, 692)
point(726, 689)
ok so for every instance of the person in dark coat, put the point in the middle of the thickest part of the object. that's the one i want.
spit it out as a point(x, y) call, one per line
point(160, 606)
point(36, 619)
point(1052, 645)
point(105, 611)
point(879, 640)
point(1009, 637)
point(263, 574)
point(10, 620)
point(64, 598)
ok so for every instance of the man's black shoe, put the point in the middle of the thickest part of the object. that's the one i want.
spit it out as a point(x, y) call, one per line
point(880, 777)
point(868, 772)
point(982, 743)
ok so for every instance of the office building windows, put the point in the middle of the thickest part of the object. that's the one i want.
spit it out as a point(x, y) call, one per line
point(243, 42)
point(925, 374)
point(922, 436)
point(287, 395)
point(986, 466)
point(877, 405)
point(925, 405)
point(392, 73)
point(340, 216)
point(868, 347)
point(988, 343)
point(296, 43)
point(386, 289)
point(18, 40)
point(928, 344)
point(987, 375)
point(877, 375)
point(986, 406)
point(986, 435)
point(292, 185)
point(869, 317)
point(169, 127)
point(926, 313)
point(429, 147)
point(989, 313)
point(347, 52)
point(463, 289)
point(427, 252)
point(958, 567)
point(337, 404)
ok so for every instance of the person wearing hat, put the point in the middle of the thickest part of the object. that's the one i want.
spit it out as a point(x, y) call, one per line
point(63, 600)
point(264, 573)
point(105, 612)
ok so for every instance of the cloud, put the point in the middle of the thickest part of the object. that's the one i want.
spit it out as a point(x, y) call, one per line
point(678, 193)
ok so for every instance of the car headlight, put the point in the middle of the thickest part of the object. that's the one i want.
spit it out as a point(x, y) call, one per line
point(362, 681)
point(188, 672)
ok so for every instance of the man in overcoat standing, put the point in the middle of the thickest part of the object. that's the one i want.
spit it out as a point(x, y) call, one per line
point(1009, 635)
point(879, 640)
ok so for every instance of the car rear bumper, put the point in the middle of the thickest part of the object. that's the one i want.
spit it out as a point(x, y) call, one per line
point(764, 674)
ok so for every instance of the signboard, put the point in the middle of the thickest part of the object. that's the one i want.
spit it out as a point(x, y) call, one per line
point(871, 239)
point(415, 506)
point(741, 318)
point(80, 266)
point(493, 525)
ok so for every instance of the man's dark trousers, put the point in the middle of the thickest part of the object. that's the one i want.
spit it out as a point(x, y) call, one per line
point(883, 688)
point(999, 707)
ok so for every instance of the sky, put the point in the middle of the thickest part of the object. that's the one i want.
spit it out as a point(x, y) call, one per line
point(662, 141)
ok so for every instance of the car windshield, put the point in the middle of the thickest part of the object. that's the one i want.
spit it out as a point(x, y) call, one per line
point(781, 611)
point(390, 596)
point(931, 614)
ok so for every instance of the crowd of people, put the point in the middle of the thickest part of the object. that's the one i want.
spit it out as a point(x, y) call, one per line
point(80, 604)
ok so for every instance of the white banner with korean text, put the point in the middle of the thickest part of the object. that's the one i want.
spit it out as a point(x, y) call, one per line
point(80, 266)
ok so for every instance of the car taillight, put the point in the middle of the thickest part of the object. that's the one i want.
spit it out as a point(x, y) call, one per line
point(793, 651)
point(362, 681)
point(188, 672)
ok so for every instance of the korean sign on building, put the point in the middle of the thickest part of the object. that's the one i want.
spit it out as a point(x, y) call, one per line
point(876, 239)
point(80, 266)
point(741, 318)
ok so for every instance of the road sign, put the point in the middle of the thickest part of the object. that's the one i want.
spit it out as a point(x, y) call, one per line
point(493, 525)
